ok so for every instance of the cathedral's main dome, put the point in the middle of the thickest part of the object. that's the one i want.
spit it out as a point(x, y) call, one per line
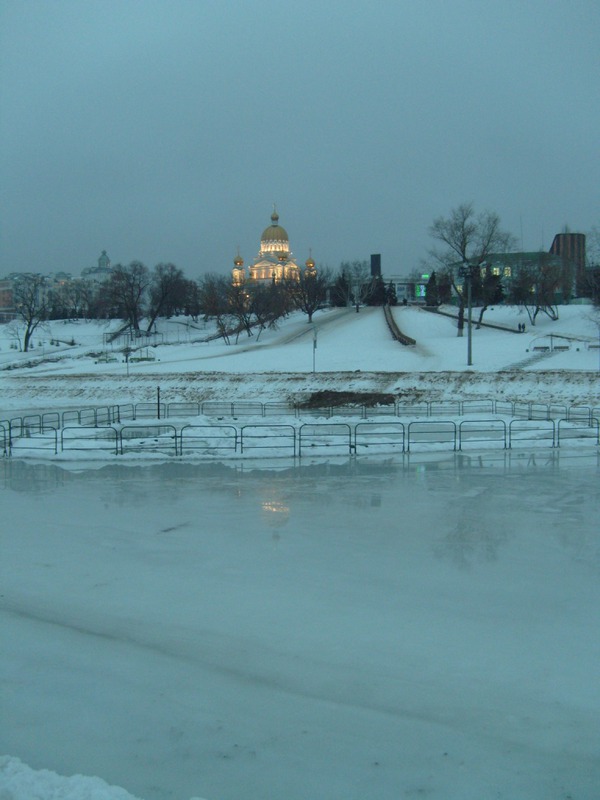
point(274, 233)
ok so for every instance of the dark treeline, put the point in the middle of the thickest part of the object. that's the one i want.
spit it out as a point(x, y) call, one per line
point(139, 296)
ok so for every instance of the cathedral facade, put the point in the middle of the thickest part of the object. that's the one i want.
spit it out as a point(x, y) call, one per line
point(274, 262)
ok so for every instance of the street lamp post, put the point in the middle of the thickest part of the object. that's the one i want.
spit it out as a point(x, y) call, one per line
point(466, 272)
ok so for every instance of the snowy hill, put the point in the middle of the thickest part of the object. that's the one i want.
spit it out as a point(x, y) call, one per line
point(74, 363)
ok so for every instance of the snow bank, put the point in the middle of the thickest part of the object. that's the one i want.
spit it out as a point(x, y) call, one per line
point(20, 782)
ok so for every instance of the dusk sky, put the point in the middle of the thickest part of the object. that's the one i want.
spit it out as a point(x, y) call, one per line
point(165, 131)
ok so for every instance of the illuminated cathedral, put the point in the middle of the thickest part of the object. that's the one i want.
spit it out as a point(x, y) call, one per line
point(274, 262)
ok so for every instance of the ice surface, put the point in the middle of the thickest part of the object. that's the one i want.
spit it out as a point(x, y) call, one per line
point(422, 626)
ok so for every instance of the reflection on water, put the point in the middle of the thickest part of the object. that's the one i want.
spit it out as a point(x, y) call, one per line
point(468, 506)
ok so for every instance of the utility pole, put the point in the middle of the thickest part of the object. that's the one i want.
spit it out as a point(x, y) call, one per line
point(466, 272)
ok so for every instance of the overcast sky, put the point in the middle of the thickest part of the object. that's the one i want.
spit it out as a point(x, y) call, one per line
point(165, 130)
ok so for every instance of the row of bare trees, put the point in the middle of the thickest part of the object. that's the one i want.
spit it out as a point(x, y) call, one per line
point(139, 296)
point(238, 308)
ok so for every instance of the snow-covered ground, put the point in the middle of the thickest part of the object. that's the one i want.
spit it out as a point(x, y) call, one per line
point(420, 625)
point(354, 352)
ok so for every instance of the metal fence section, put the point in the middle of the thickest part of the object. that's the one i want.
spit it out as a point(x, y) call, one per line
point(280, 410)
point(556, 411)
point(521, 410)
point(581, 431)
point(183, 410)
point(431, 432)
point(388, 410)
point(105, 415)
point(451, 409)
point(87, 416)
point(503, 407)
point(149, 411)
point(491, 432)
point(208, 439)
point(580, 413)
point(148, 438)
point(412, 409)
point(216, 408)
point(476, 407)
point(379, 436)
point(45, 441)
point(277, 437)
point(51, 419)
point(122, 413)
point(5, 434)
point(531, 433)
point(539, 411)
point(334, 438)
point(32, 423)
point(78, 438)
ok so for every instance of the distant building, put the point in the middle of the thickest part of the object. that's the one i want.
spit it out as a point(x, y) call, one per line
point(7, 303)
point(100, 272)
point(571, 246)
point(274, 262)
point(408, 290)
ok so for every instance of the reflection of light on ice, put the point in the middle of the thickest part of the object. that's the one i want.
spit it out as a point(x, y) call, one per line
point(275, 506)
point(275, 512)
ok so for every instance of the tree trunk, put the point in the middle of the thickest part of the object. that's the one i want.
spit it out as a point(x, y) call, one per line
point(481, 313)
point(27, 339)
point(461, 319)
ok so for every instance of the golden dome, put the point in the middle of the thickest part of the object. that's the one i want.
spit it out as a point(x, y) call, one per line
point(238, 261)
point(274, 233)
point(310, 264)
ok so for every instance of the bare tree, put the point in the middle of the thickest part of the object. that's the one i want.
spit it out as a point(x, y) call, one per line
point(192, 305)
point(213, 302)
point(592, 247)
point(467, 240)
point(268, 305)
point(239, 307)
point(535, 285)
point(167, 292)
point(126, 289)
point(309, 291)
point(30, 301)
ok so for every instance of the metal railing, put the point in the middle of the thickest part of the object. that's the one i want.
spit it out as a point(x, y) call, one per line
point(395, 427)
point(310, 437)
point(116, 414)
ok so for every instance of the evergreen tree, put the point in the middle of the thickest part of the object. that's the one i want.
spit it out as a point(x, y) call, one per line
point(390, 294)
point(432, 297)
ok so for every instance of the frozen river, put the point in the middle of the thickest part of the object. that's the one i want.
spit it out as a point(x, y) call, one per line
point(412, 628)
